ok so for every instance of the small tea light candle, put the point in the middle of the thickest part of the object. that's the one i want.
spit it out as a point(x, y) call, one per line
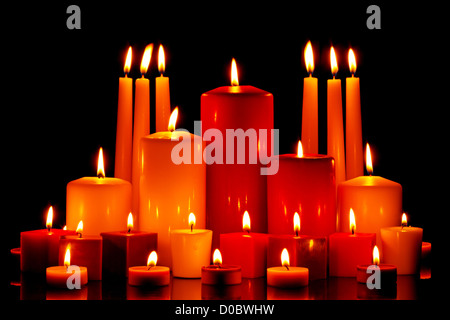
point(388, 272)
point(150, 275)
point(218, 274)
point(286, 276)
point(58, 276)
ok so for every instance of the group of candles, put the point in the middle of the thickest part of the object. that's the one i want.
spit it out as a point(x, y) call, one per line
point(183, 211)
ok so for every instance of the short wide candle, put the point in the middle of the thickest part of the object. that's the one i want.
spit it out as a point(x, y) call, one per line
point(57, 276)
point(286, 276)
point(150, 275)
point(218, 274)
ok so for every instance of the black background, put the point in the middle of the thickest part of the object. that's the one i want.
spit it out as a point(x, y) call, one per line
point(59, 101)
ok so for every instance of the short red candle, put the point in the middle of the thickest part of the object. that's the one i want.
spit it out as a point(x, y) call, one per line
point(150, 275)
point(388, 273)
point(57, 276)
point(303, 184)
point(233, 188)
point(219, 274)
point(287, 276)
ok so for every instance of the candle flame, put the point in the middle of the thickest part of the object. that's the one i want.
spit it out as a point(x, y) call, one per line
point(334, 66)
point(49, 218)
point(67, 256)
point(351, 61)
point(173, 120)
point(376, 256)
point(80, 228)
point(191, 220)
point(309, 58)
point(100, 166)
point(369, 166)
point(404, 220)
point(130, 222)
point(217, 257)
point(161, 60)
point(246, 221)
point(296, 223)
point(299, 149)
point(352, 221)
point(234, 73)
point(285, 258)
point(146, 57)
point(127, 66)
point(152, 259)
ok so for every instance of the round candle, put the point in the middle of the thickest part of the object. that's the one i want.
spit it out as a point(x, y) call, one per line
point(162, 94)
point(387, 272)
point(102, 203)
point(235, 188)
point(190, 249)
point(57, 276)
point(287, 276)
point(304, 183)
point(219, 274)
point(402, 246)
point(167, 189)
point(376, 201)
point(150, 275)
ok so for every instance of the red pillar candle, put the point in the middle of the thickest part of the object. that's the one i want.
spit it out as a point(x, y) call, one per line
point(305, 183)
point(40, 248)
point(235, 188)
point(306, 251)
point(287, 276)
point(150, 275)
point(219, 274)
point(57, 276)
point(247, 249)
point(124, 249)
point(387, 272)
point(85, 250)
point(347, 250)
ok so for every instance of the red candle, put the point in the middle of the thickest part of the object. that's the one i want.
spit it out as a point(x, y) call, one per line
point(124, 249)
point(150, 275)
point(287, 276)
point(85, 250)
point(40, 248)
point(249, 250)
point(387, 272)
point(219, 274)
point(306, 251)
point(347, 250)
point(234, 188)
point(58, 276)
point(305, 183)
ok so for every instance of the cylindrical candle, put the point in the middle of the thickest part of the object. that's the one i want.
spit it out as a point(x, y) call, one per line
point(287, 276)
point(58, 276)
point(162, 94)
point(219, 274)
point(150, 275)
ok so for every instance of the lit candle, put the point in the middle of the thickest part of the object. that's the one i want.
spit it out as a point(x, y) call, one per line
point(376, 201)
point(387, 272)
point(58, 276)
point(246, 249)
point(40, 248)
point(191, 249)
point(85, 250)
point(124, 123)
point(402, 246)
point(150, 275)
point(310, 113)
point(349, 249)
point(304, 183)
point(167, 189)
point(220, 274)
point(353, 128)
point(306, 251)
point(335, 123)
point(235, 188)
point(141, 123)
point(102, 203)
point(162, 94)
point(287, 276)
point(127, 248)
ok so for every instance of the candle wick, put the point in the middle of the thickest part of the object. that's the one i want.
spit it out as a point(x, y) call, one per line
point(79, 235)
point(192, 226)
point(287, 267)
point(48, 229)
point(149, 267)
point(296, 233)
point(129, 230)
point(100, 176)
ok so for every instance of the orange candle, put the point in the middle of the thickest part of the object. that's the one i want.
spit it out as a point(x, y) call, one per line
point(287, 276)
point(335, 123)
point(102, 203)
point(353, 130)
point(219, 274)
point(310, 117)
point(141, 125)
point(150, 275)
point(58, 276)
point(124, 124)
point(162, 93)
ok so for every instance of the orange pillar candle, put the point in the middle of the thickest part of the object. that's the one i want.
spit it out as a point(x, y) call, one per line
point(57, 276)
point(102, 203)
point(162, 94)
point(124, 124)
point(150, 275)
point(376, 201)
point(335, 123)
point(287, 276)
point(310, 111)
point(353, 127)
point(168, 190)
point(141, 125)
